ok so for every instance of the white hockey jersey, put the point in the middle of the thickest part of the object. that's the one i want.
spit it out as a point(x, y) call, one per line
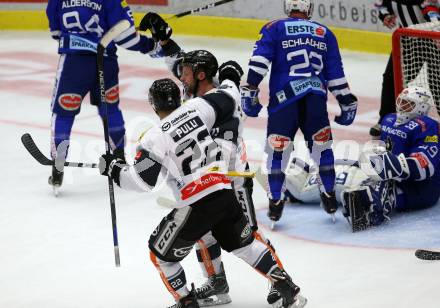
point(182, 149)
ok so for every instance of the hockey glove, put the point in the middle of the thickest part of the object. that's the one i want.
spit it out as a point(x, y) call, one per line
point(160, 30)
point(230, 70)
point(250, 102)
point(111, 164)
point(348, 104)
point(384, 166)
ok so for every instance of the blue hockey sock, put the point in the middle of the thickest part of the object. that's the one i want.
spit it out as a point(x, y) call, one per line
point(116, 128)
point(61, 128)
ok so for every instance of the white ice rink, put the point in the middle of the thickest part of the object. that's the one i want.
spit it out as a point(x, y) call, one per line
point(58, 252)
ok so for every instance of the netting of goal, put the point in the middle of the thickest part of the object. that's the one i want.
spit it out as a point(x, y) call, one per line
point(416, 59)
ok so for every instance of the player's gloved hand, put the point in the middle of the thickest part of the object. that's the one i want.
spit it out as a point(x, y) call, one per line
point(111, 164)
point(160, 30)
point(250, 102)
point(348, 104)
point(384, 166)
point(230, 70)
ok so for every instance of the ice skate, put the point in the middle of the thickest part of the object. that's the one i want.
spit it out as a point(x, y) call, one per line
point(56, 180)
point(284, 293)
point(214, 291)
point(329, 204)
point(189, 301)
point(275, 211)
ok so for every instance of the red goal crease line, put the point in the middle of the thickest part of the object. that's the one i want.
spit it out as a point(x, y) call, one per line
point(142, 2)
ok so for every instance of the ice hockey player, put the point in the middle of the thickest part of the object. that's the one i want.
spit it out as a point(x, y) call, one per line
point(305, 61)
point(406, 175)
point(182, 147)
point(197, 71)
point(78, 26)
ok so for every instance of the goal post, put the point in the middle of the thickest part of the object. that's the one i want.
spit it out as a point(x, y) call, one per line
point(416, 58)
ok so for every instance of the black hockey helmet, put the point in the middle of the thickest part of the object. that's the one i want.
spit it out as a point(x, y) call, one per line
point(201, 60)
point(164, 95)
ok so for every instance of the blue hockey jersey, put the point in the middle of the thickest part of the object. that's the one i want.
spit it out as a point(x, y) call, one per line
point(304, 57)
point(80, 24)
point(418, 139)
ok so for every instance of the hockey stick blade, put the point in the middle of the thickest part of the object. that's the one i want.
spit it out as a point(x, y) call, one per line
point(32, 148)
point(427, 255)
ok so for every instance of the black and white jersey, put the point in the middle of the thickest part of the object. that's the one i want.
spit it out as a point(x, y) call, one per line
point(182, 149)
point(409, 12)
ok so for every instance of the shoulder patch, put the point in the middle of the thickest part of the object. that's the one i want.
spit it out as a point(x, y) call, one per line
point(124, 4)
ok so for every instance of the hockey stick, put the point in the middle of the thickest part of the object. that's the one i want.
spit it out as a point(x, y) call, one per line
point(32, 148)
point(200, 9)
point(427, 255)
point(113, 33)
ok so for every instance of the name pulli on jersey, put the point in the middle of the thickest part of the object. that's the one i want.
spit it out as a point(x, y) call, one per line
point(85, 3)
point(304, 41)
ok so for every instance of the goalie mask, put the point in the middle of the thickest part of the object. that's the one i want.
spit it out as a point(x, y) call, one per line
point(411, 103)
point(164, 95)
point(303, 6)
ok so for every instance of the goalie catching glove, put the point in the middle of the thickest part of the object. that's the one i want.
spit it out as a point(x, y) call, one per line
point(159, 28)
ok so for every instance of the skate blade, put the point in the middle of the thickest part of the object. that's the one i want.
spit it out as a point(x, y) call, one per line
point(272, 225)
point(214, 300)
point(300, 301)
point(333, 218)
point(56, 190)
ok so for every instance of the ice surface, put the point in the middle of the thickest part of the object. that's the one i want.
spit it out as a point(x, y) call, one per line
point(58, 252)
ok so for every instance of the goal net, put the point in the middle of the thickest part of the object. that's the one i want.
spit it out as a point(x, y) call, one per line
point(416, 59)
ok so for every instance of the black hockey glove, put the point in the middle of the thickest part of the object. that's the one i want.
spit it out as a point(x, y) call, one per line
point(160, 30)
point(111, 164)
point(230, 70)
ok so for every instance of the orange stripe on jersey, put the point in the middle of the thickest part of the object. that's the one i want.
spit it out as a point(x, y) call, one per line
point(259, 237)
point(206, 258)
point(170, 289)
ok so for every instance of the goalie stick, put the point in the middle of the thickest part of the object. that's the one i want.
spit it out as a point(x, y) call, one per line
point(427, 254)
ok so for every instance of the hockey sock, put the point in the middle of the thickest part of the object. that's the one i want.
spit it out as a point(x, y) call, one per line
point(327, 175)
point(276, 178)
point(258, 256)
point(172, 275)
point(116, 127)
point(61, 128)
point(209, 257)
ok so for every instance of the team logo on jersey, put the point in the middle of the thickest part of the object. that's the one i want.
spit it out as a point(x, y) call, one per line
point(431, 139)
point(70, 101)
point(323, 135)
point(112, 95)
point(304, 27)
point(278, 142)
point(166, 126)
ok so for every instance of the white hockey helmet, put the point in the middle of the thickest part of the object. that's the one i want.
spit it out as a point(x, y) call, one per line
point(411, 103)
point(304, 6)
